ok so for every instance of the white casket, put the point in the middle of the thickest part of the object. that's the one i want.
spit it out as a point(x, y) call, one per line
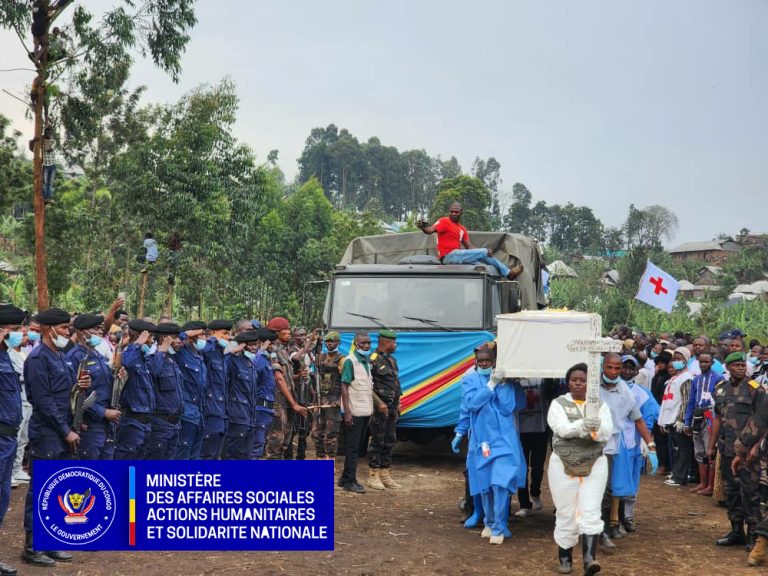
point(534, 343)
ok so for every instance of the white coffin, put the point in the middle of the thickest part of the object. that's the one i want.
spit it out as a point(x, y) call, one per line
point(534, 343)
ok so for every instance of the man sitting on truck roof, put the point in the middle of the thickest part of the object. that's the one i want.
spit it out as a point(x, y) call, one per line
point(452, 237)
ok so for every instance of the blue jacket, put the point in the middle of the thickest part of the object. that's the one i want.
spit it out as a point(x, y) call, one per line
point(49, 378)
point(194, 378)
point(101, 381)
point(702, 384)
point(10, 392)
point(166, 377)
point(265, 381)
point(216, 390)
point(138, 393)
point(241, 380)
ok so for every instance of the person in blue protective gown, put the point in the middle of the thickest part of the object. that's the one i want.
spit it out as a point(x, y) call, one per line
point(475, 504)
point(629, 461)
point(495, 463)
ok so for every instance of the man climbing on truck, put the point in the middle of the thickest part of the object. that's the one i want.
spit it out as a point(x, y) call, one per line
point(454, 246)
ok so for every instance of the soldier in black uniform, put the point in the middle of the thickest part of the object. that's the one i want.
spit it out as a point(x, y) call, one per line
point(736, 400)
point(326, 420)
point(386, 395)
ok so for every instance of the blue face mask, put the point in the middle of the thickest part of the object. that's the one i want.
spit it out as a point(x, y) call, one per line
point(171, 351)
point(223, 343)
point(485, 371)
point(654, 355)
point(249, 355)
point(364, 353)
point(145, 349)
point(33, 336)
point(13, 339)
point(754, 360)
point(611, 380)
point(94, 340)
point(678, 364)
point(200, 344)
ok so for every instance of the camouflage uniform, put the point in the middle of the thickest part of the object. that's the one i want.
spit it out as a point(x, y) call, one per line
point(299, 426)
point(753, 433)
point(279, 429)
point(325, 425)
point(386, 385)
point(735, 404)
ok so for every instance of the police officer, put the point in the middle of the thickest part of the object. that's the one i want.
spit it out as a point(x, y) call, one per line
point(194, 382)
point(386, 395)
point(327, 418)
point(285, 401)
point(50, 377)
point(264, 393)
point(10, 408)
point(137, 400)
point(736, 400)
point(166, 377)
point(215, 396)
point(99, 417)
point(241, 390)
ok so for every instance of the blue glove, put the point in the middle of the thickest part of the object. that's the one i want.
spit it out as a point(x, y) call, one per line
point(654, 462)
point(455, 443)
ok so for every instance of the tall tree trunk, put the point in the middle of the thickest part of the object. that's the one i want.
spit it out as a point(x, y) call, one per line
point(41, 272)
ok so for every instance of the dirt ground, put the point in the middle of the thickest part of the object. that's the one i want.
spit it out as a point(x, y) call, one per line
point(417, 530)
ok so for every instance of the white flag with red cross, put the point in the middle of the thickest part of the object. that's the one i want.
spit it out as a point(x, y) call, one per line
point(657, 288)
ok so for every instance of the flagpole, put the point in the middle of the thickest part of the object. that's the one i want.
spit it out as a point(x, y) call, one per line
point(629, 314)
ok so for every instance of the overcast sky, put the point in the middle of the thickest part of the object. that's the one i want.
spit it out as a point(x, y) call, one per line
point(603, 103)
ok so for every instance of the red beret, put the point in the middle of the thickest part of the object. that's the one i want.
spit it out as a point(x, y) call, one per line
point(278, 323)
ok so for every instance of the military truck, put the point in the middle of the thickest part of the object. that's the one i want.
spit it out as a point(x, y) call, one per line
point(440, 312)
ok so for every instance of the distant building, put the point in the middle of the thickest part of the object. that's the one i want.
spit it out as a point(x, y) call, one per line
point(688, 289)
point(709, 275)
point(714, 252)
point(752, 240)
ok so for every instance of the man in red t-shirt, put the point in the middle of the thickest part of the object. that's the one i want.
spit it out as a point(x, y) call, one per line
point(454, 247)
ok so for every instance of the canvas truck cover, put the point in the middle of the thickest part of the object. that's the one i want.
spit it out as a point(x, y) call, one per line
point(509, 248)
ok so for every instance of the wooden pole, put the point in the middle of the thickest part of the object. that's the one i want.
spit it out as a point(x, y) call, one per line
point(168, 309)
point(144, 280)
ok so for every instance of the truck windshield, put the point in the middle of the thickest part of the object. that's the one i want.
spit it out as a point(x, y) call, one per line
point(431, 303)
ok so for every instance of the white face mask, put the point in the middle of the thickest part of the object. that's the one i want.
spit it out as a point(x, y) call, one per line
point(60, 341)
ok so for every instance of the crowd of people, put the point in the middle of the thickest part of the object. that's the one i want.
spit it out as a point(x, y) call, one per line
point(93, 386)
point(700, 402)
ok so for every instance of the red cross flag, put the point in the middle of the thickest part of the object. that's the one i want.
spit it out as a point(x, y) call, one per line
point(657, 288)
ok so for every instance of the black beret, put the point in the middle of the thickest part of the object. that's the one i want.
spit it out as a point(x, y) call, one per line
point(220, 325)
point(141, 326)
point(267, 334)
point(247, 336)
point(86, 321)
point(194, 325)
point(10, 315)
point(53, 317)
point(167, 329)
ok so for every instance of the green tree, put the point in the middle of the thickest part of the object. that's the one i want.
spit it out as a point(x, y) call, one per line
point(160, 27)
point(472, 195)
point(518, 216)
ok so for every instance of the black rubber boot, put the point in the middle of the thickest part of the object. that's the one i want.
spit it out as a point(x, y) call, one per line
point(59, 556)
point(34, 557)
point(606, 543)
point(588, 552)
point(565, 556)
point(735, 537)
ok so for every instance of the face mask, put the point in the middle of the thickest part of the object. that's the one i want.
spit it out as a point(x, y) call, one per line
point(33, 336)
point(754, 360)
point(223, 343)
point(249, 355)
point(611, 380)
point(200, 344)
point(485, 371)
point(95, 340)
point(364, 353)
point(149, 350)
point(654, 355)
point(14, 339)
point(171, 351)
point(60, 341)
point(678, 365)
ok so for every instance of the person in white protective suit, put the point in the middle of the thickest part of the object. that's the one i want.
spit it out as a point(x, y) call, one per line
point(578, 471)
